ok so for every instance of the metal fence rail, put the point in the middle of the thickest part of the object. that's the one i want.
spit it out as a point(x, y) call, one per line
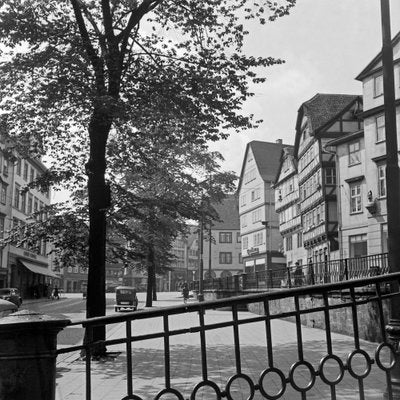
point(285, 379)
point(311, 274)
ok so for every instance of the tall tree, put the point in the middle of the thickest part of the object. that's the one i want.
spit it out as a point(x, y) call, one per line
point(77, 69)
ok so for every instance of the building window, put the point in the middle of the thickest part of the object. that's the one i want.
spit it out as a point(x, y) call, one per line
point(255, 194)
point(378, 85)
point(380, 128)
point(354, 153)
point(258, 238)
point(240, 258)
point(358, 245)
point(382, 180)
point(243, 200)
point(5, 167)
point(289, 243)
point(19, 166)
point(23, 202)
point(238, 237)
point(2, 225)
point(355, 198)
point(3, 193)
point(384, 236)
point(256, 215)
point(330, 176)
point(25, 171)
point(225, 237)
point(30, 204)
point(244, 221)
point(245, 243)
point(225, 258)
point(17, 191)
point(32, 175)
point(300, 239)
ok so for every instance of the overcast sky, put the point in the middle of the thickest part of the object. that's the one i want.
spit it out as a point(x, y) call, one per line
point(326, 44)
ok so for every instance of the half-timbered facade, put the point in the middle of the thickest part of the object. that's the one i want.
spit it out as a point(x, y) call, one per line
point(288, 208)
point(321, 119)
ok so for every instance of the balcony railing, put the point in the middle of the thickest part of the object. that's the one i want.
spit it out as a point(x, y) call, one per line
point(310, 274)
point(323, 369)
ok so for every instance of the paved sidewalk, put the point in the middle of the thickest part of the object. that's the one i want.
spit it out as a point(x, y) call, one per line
point(109, 378)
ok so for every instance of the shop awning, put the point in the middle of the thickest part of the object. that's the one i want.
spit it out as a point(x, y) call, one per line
point(37, 269)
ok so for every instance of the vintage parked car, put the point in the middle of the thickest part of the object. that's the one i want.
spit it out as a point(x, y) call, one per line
point(11, 294)
point(126, 297)
point(7, 308)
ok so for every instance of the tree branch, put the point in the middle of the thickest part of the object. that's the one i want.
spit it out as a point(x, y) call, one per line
point(136, 16)
point(90, 51)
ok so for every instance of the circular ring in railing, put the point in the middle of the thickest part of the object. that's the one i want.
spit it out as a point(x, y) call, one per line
point(208, 383)
point(292, 370)
point(322, 373)
point(281, 376)
point(132, 397)
point(232, 379)
point(350, 367)
point(379, 362)
point(169, 391)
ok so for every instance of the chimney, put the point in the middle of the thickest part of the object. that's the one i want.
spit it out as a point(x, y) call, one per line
point(279, 141)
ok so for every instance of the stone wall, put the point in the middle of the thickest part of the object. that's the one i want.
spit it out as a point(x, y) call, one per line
point(341, 319)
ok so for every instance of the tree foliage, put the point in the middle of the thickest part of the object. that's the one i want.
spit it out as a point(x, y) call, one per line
point(78, 76)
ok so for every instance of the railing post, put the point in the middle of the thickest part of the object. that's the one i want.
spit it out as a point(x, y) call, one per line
point(289, 278)
point(312, 274)
point(271, 281)
point(28, 344)
point(244, 281)
point(346, 269)
point(236, 283)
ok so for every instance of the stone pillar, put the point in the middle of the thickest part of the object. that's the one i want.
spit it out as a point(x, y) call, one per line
point(28, 343)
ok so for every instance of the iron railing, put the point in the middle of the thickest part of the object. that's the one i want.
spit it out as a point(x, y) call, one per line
point(310, 274)
point(325, 368)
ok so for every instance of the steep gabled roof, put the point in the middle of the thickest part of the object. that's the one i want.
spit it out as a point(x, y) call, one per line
point(285, 153)
point(371, 66)
point(322, 110)
point(228, 213)
point(267, 157)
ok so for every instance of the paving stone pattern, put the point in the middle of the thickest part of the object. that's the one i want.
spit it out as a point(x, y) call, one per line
point(109, 378)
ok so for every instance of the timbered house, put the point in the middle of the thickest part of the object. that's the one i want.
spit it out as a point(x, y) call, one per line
point(288, 208)
point(322, 118)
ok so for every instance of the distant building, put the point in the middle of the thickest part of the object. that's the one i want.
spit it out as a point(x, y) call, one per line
point(319, 120)
point(259, 224)
point(225, 245)
point(287, 205)
point(185, 265)
point(24, 267)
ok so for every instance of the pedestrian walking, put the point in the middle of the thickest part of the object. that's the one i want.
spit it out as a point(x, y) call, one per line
point(185, 292)
point(56, 294)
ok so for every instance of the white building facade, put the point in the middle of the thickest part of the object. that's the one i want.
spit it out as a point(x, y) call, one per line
point(259, 224)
